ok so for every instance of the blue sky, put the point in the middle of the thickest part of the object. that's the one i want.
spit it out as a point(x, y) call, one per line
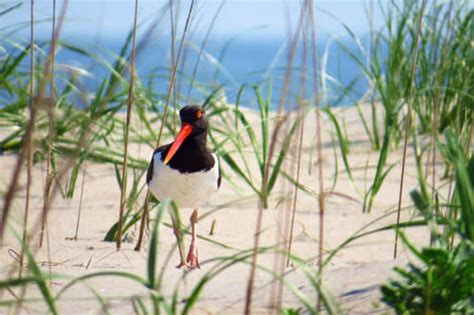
point(254, 18)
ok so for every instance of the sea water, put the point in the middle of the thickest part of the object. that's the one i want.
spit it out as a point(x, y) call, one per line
point(222, 62)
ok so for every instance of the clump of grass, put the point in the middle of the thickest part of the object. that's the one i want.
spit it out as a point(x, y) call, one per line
point(444, 282)
point(231, 148)
point(443, 48)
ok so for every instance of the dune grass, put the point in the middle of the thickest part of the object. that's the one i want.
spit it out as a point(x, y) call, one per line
point(418, 72)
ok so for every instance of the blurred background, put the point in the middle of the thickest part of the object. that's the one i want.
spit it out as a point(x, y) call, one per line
point(229, 42)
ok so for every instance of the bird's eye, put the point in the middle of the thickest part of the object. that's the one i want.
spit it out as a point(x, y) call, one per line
point(199, 115)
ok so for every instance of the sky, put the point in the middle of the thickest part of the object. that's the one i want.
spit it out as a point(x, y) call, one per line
point(252, 18)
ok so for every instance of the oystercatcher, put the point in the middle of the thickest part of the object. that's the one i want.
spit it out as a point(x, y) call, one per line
point(187, 172)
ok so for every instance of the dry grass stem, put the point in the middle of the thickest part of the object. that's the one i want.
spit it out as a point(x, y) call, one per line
point(164, 117)
point(50, 113)
point(30, 158)
point(409, 122)
point(81, 198)
point(278, 123)
point(127, 129)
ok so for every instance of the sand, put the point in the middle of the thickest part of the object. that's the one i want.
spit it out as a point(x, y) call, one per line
point(352, 277)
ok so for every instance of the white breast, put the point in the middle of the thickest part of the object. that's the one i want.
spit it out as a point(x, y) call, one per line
point(188, 190)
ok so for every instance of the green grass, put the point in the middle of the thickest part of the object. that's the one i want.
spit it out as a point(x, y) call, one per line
point(444, 50)
point(234, 138)
point(443, 281)
point(94, 132)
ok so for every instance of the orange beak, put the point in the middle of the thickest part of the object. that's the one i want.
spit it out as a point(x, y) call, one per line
point(186, 129)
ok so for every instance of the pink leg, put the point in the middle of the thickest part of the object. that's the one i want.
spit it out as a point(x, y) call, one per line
point(192, 260)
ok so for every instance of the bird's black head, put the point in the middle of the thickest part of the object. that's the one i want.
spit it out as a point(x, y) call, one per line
point(193, 127)
point(195, 116)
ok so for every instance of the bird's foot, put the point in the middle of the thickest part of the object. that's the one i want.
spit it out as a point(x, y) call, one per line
point(182, 265)
point(192, 260)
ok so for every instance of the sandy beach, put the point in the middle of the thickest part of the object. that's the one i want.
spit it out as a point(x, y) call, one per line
point(352, 277)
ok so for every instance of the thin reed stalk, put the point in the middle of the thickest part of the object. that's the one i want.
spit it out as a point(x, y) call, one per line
point(409, 121)
point(300, 137)
point(173, 24)
point(12, 187)
point(296, 188)
point(321, 195)
point(60, 175)
point(371, 54)
point(165, 114)
point(48, 76)
point(81, 198)
point(29, 130)
point(30, 157)
point(175, 68)
point(82, 144)
point(437, 103)
point(279, 122)
point(285, 228)
point(281, 236)
point(50, 113)
point(127, 129)
point(201, 50)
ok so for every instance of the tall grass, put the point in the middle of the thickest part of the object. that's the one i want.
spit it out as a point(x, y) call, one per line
point(439, 93)
point(230, 145)
point(409, 119)
point(30, 157)
point(24, 153)
point(127, 127)
point(171, 88)
point(443, 283)
point(271, 149)
point(49, 112)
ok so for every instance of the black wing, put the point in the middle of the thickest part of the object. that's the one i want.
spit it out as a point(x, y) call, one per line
point(149, 173)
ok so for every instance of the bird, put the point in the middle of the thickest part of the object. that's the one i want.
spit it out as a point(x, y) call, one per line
point(188, 172)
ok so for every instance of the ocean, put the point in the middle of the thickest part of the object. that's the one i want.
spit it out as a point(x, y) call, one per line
point(228, 63)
